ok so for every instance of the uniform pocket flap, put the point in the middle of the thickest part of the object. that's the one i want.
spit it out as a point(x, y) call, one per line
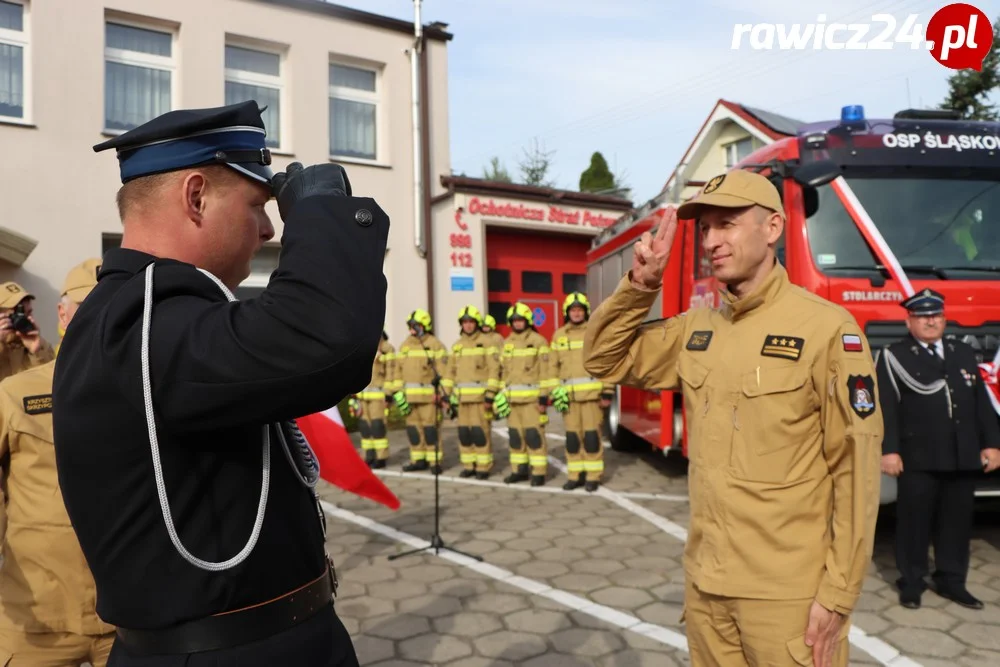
point(774, 380)
point(691, 371)
point(39, 426)
point(800, 652)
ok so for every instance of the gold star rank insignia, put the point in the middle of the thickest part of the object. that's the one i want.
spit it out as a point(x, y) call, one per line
point(785, 347)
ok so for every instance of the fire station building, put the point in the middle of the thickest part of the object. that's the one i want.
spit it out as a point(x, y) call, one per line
point(497, 243)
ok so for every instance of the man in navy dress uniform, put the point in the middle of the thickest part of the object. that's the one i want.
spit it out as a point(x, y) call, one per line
point(173, 401)
point(940, 435)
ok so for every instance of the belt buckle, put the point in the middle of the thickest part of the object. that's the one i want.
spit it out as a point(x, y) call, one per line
point(332, 571)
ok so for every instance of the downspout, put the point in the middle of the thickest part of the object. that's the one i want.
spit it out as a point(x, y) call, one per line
point(425, 167)
point(418, 188)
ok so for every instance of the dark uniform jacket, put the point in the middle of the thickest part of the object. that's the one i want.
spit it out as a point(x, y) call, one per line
point(939, 431)
point(219, 372)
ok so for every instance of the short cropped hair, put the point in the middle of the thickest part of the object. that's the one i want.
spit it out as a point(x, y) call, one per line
point(140, 190)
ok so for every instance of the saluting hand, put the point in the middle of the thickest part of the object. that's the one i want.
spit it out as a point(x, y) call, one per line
point(652, 253)
point(892, 464)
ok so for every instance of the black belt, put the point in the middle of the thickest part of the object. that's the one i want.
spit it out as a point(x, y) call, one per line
point(234, 628)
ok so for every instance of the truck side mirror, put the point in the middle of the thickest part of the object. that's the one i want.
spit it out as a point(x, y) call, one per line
point(815, 174)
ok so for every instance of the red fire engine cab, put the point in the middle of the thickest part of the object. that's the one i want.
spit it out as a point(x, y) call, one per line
point(876, 209)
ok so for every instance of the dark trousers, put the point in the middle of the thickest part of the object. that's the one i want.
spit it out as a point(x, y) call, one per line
point(934, 506)
point(321, 641)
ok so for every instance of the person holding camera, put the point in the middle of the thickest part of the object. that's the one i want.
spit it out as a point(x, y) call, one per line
point(190, 490)
point(23, 344)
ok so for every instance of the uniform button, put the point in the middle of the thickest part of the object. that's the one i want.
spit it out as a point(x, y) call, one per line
point(363, 217)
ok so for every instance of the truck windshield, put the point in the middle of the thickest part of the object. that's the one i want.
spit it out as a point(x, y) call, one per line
point(937, 227)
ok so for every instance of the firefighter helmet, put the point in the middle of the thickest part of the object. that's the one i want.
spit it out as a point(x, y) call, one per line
point(470, 313)
point(490, 321)
point(576, 299)
point(421, 317)
point(520, 310)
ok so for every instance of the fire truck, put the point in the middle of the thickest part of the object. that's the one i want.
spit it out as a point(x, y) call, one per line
point(876, 210)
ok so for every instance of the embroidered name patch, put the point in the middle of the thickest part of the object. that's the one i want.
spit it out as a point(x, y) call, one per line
point(786, 347)
point(862, 392)
point(37, 405)
point(699, 340)
point(852, 343)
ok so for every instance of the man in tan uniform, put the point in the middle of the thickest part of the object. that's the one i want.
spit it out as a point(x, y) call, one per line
point(784, 433)
point(416, 383)
point(489, 329)
point(48, 598)
point(471, 380)
point(579, 397)
point(370, 406)
point(527, 382)
point(23, 345)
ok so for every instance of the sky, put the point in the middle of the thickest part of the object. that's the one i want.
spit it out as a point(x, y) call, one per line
point(635, 79)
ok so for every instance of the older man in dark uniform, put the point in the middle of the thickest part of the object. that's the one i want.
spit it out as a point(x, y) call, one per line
point(173, 401)
point(940, 435)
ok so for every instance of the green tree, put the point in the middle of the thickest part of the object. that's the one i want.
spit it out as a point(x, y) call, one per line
point(969, 90)
point(496, 171)
point(535, 166)
point(597, 177)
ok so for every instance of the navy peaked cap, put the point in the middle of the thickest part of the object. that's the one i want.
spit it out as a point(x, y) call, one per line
point(925, 302)
point(231, 135)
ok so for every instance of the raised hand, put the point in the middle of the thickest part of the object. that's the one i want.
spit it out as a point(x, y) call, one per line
point(652, 253)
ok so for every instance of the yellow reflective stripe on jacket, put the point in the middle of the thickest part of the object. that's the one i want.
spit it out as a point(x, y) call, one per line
point(473, 351)
point(526, 352)
point(436, 354)
point(372, 395)
point(569, 345)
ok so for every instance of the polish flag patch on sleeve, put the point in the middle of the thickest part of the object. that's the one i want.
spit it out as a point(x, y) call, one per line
point(852, 343)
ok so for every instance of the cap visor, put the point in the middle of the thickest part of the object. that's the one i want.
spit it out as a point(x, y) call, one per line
point(688, 210)
point(257, 172)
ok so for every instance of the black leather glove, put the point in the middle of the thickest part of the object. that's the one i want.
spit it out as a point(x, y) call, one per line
point(296, 183)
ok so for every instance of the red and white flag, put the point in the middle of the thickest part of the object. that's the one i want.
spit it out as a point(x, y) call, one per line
point(339, 462)
point(989, 374)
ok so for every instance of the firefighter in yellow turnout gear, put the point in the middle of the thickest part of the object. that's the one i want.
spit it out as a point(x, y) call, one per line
point(416, 380)
point(471, 380)
point(525, 396)
point(579, 397)
point(369, 406)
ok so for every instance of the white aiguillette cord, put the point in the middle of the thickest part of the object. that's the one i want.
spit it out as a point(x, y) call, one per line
point(304, 462)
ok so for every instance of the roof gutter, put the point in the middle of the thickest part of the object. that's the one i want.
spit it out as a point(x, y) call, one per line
point(425, 171)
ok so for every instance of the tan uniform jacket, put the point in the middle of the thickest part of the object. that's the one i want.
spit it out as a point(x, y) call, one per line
point(784, 434)
point(415, 365)
point(45, 583)
point(382, 369)
point(566, 360)
point(14, 357)
point(473, 368)
point(496, 340)
point(526, 371)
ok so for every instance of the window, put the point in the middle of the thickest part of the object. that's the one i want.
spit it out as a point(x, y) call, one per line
point(497, 280)
point(536, 282)
point(574, 282)
point(138, 71)
point(594, 291)
point(737, 150)
point(256, 75)
point(354, 103)
point(13, 60)
point(498, 309)
point(611, 273)
point(109, 241)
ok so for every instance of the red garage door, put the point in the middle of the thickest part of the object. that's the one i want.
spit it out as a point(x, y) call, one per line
point(537, 269)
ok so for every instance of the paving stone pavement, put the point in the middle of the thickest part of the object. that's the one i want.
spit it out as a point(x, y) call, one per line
point(425, 610)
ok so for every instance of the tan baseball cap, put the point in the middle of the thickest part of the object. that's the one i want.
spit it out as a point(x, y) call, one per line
point(12, 294)
point(81, 279)
point(734, 189)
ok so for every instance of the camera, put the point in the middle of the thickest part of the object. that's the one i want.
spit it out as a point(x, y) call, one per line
point(19, 320)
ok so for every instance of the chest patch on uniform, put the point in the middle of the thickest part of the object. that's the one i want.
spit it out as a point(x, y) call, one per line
point(785, 347)
point(862, 392)
point(699, 340)
point(37, 405)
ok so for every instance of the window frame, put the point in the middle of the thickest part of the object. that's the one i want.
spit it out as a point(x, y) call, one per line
point(376, 98)
point(139, 59)
point(732, 151)
point(264, 81)
point(21, 39)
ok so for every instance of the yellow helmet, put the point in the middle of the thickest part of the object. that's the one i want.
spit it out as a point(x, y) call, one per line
point(490, 321)
point(520, 310)
point(470, 312)
point(576, 299)
point(421, 317)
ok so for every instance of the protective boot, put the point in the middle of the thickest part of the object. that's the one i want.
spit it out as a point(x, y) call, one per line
point(592, 486)
point(415, 466)
point(378, 463)
point(482, 475)
point(575, 483)
point(521, 475)
point(467, 473)
point(537, 480)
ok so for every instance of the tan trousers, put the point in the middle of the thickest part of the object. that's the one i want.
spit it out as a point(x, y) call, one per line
point(374, 437)
point(422, 430)
point(584, 450)
point(474, 443)
point(734, 632)
point(53, 649)
point(527, 439)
